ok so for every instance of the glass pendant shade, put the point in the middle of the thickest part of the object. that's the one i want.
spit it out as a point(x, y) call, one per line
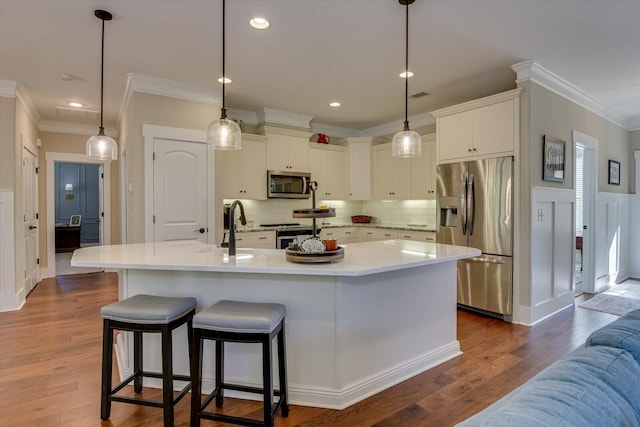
point(406, 144)
point(102, 147)
point(224, 134)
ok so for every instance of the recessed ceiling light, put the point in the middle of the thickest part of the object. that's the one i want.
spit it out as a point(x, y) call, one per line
point(259, 23)
point(75, 104)
point(335, 104)
point(225, 80)
point(406, 74)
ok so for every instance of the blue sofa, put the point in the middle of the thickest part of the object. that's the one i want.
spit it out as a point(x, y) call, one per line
point(596, 385)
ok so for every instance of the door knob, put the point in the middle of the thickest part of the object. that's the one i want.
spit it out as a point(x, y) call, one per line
point(201, 230)
point(31, 227)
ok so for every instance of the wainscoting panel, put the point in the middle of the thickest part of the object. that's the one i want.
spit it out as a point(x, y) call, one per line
point(612, 239)
point(9, 299)
point(552, 243)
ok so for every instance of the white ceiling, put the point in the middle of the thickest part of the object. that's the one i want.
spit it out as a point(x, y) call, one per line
point(318, 51)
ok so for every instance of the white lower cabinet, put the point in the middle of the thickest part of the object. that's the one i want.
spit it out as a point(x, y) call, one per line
point(341, 234)
point(420, 236)
point(370, 234)
point(255, 239)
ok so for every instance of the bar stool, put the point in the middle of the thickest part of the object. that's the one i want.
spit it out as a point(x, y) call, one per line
point(245, 322)
point(138, 314)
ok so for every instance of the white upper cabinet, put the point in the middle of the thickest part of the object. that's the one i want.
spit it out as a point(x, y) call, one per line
point(245, 171)
point(423, 170)
point(359, 168)
point(287, 150)
point(487, 127)
point(391, 175)
point(329, 169)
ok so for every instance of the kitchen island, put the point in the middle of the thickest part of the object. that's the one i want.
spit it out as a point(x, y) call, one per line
point(383, 314)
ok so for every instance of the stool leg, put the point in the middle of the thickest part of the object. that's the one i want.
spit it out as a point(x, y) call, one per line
point(137, 361)
point(196, 372)
point(107, 367)
point(167, 377)
point(219, 373)
point(282, 373)
point(267, 381)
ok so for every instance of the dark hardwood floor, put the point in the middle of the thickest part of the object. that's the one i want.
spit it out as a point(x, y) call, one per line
point(50, 366)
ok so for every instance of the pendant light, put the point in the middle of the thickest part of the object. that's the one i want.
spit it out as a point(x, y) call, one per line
point(102, 147)
point(407, 142)
point(224, 134)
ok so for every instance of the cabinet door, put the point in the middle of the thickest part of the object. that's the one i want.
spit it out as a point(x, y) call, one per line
point(254, 170)
point(298, 154)
point(232, 174)
point(359, 171)
point(455, 136)
point(419, 174)
point(278, 152)
point(493, 129)
point(370, 234)
point(336, 174)
point(382, 173)
point(431, 172)
point(420, 236)
point(401, 178)
point(318, 169)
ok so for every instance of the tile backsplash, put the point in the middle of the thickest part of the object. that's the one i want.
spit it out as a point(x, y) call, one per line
point(392, 213)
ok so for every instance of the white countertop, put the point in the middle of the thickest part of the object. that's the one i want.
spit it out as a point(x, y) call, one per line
point(188, 255)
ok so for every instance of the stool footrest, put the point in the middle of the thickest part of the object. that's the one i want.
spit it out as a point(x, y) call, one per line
point(246, 388)
point(148, 402)
point(231, 420)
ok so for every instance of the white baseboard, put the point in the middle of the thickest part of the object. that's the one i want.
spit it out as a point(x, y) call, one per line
point(324, 398)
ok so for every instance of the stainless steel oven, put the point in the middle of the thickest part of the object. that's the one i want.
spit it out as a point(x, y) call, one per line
point(288, 235)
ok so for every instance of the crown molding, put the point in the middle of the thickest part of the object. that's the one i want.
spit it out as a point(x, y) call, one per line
point(74, 128)
point(170, 88)
point(477, 103)
point(32, 112)
point(420, 120)
point(532, 71)
point(8, 88)
point(272, 116)
point(334, 131)
point(248, 117)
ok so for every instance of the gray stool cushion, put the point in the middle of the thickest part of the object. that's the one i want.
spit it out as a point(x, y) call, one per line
point(148, 309)
point(242, 317)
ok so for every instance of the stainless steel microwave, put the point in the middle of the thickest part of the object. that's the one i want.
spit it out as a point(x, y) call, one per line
point(288, 185)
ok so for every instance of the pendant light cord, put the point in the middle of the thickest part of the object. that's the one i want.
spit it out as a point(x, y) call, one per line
point(223, 115)
point(101, 131)
point(406, 70)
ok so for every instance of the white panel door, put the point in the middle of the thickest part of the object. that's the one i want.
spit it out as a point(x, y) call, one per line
point(179, 190)
point(30, 219)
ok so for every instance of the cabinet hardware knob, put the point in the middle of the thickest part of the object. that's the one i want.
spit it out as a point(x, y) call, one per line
point(200, 230)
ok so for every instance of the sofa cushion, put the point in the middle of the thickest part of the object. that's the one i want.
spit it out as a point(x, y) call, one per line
point(623, 333)
point(593, 386)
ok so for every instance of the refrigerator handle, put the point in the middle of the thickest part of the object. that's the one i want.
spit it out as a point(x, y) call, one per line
point(471, 204)
point(463, 206)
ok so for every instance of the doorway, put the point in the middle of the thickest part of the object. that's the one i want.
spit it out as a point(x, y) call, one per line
point(77, 198)
point(102, 224)
point(585, 184)
point(578, 256)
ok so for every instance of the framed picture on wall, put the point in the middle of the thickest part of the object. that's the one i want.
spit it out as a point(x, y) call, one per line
point(614, 172)
point(74, 220)
point(553, 156)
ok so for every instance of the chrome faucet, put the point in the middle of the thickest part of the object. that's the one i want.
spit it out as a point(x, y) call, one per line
point(232, 226)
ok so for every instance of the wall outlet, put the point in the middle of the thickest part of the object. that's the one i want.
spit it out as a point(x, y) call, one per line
point(540, 215)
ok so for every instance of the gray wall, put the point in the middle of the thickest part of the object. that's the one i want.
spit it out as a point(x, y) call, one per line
point(85, 179)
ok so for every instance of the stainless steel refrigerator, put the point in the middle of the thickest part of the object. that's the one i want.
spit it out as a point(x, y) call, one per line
point(475, 208)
